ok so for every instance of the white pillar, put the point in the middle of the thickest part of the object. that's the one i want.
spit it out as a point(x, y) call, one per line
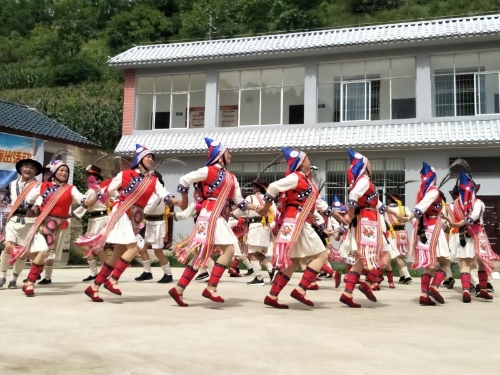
point(310, 92)
point(424, 88)
point(211, 96)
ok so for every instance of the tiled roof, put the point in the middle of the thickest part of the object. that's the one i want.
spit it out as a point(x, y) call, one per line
point(28, 121)
point(432, 134)
point(304, 41)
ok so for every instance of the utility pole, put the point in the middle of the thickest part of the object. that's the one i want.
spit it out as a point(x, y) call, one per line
point(211, 28)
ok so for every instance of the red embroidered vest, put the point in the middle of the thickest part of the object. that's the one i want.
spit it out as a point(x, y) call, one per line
point(297, 197)
point(369, 198)
point(130, 180)
point(213, 184)
point(61, 208)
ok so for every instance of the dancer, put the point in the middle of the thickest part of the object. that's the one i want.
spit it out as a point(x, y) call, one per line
point(97, 217)
point(429, 241)
point(365, 221)
point(18, 224)
point(468, 240)
point(212, 232)
point(297, 241)
point(137, 185)
point(154, 233)
point(52, 202)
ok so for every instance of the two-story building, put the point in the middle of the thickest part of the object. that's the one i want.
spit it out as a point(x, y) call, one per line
point(398, 93)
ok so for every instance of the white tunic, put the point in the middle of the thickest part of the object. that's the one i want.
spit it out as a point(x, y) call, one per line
point(155, 230)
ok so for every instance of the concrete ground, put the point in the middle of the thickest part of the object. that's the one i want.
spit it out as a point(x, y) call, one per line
point(143, 332)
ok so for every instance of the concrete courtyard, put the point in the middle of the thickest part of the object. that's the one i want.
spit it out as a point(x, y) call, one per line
point(61, 331)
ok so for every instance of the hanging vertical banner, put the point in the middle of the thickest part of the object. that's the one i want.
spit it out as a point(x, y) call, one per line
point(12, 149)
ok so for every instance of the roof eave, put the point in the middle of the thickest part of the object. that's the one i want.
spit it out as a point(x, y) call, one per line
point(8, 130)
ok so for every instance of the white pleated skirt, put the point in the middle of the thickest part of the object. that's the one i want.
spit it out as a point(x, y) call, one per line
point(155, 233)
point(122, 232)
point(308, 243)
point(459, 252)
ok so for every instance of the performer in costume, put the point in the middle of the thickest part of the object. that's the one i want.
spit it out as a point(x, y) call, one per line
point(18, 223)
point(429, 241)
point(154, 233)
point(468, 240)
point(259, 236)
point(52, 202)
point(296, 239)
point(126, 220)
point(97, 216)
point(365, 222)
point(212, 232)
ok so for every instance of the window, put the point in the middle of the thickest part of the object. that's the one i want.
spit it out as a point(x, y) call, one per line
point(169, 102)
point(465, 84)
point(387, 175)
point(247, 172)
point(261, 97)
point(367, 90)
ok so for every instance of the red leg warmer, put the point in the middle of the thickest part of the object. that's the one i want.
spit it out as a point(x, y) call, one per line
point(327, 269)
point(120, 267)
point(279, 282)
point(390, 276)
point(483, 279)
point(465, 279)
point(351, 279)
point(425, 282)
point(373, 276)
point(438, 278)
point(308, 277)
point(217, 272)
point(103, 274)
point(35, 271)
point(187, 276)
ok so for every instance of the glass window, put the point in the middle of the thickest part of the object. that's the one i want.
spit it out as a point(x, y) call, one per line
point(146, 85)
point(144, 112)
point(229, 80)
point(175, 98)
point(266, 97)
point(487, 93)
point(367, 90)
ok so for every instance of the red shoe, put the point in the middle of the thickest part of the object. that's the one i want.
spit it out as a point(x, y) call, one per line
point(29, 292)
point(92, 294)
point(426, 301)
point(337, 278)
point(349, 301)
point(233, 273)
point(301, 298)
point(392, 286)
point(208, 294)
point(380, 279)
point(466, 297)
point(433, 292)
point(376, 287)
point(313, 287)
point(177, 297)
point(274, 303)
point(484, 294)
point(112, 288)
point(367, 291)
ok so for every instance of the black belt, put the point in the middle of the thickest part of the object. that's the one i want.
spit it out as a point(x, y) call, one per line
point(97, 214)
point(154, 217)
point(256, 219)
point(399, 227)
point(19, 213)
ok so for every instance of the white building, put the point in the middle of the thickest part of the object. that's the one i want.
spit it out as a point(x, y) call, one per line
point(398, 93)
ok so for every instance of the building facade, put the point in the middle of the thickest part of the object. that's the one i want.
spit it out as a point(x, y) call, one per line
point(399, 93)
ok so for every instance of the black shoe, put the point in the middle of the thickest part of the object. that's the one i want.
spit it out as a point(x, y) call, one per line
point(90, 278)
point(322, 275)
point(249, 272)
point(45, 281)
point(165, 279)
point(472, 289)
point(402, 280)
point(489, 288)
point(202, 276)
point(408, 281)
point(451, 282)
point(145, 276)
point(257, 281)
point(271, 274)
point(477, 289)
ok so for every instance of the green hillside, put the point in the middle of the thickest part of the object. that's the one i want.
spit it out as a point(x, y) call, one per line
point(53, 52)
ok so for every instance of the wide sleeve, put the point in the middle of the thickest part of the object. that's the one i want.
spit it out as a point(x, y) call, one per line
point(287, 183)
point(187, 213)
point(237, 198)
point(163, 193)
point(477, 210)
point(114, 185)
point(33, 196)
point(358, 191)
point(195, 176)
point(77, 196)
point(425, 203)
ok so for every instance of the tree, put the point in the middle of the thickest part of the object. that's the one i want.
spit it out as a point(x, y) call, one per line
point(371, 6)
point(140, 25)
